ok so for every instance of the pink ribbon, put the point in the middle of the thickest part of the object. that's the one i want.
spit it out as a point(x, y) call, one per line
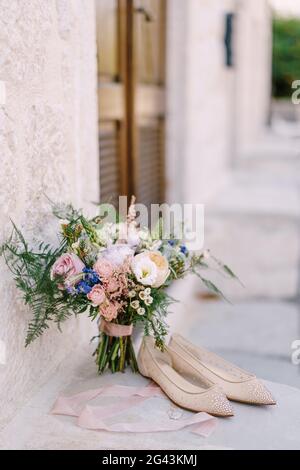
point(92, 417)
point(113, 329)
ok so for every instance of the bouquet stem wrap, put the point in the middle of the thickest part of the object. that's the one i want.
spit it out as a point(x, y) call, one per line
point(113, 329)
point(115, 349)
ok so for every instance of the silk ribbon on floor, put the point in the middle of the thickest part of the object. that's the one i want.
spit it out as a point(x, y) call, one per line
point(97, 417)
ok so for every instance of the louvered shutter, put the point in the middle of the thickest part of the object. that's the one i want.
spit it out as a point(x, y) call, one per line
point(131, 44)
point(150, 100)
point(111, 24)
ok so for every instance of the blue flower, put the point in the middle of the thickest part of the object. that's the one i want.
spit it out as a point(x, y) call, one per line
point(172, 242)
point(83, 288)
point(71, 290)
point(183, 249)
point(91, 277)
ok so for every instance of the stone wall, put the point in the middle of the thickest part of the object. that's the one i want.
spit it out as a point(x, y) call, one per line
point(48, 143)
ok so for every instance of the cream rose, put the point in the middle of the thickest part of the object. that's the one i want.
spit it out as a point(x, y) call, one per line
point(150, 268)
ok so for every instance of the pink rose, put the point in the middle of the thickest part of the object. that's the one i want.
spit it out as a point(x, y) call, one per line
point(104, 268)
point(110, 310)
point(97, 295)
point(68, 265)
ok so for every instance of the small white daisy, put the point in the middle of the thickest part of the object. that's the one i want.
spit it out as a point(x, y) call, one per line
point(135, 304)
point(142, 295)
point(148, 300)
point(141, 311)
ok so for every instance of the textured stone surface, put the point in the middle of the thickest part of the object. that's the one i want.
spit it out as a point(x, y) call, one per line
point(48, 142)
point(34, 428)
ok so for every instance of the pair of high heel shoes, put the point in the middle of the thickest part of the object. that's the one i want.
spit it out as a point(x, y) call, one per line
point(199, 380)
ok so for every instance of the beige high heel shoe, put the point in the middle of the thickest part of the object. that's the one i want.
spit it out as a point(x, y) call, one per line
point(159, 366)
point(237, 384)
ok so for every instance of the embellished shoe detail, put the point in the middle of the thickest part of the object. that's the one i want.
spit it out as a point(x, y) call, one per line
point(256, 393)
point(237, 384)
point(193, 394)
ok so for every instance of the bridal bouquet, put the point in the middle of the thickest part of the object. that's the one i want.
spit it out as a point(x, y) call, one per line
point(116, 273)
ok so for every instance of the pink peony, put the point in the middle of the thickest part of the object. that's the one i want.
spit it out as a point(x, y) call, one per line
point(97, 295)
point(112, 284)
point(68, 265)
point(110, 310)
point(104, 268)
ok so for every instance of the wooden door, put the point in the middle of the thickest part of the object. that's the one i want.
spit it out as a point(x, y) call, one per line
point(150, 25)
point(131, 44)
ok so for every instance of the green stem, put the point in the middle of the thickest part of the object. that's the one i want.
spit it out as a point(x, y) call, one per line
point(103, 362)
point(122, 355)
point(115, 353)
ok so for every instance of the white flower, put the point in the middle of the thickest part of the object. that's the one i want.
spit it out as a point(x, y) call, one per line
point(135, 304)
point(106, 234)
point(128, 234)
point(142, 295)
point(151, 268)
point(148, 301)
point(75, 246)
point(141, 311)
point(147, 291)
point(117, 254)
point(144, 269)
point(131, 293)
point(133, 238)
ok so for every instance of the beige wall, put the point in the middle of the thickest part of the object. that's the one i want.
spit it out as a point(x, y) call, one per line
point(48, 143)
point(286, 7)
point(215, 113)
point(199, 89)
point(253, 73)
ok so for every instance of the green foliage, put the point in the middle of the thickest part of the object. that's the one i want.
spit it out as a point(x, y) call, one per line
point(31, 268)
point(31, 272)
point(200, 263)
point(286, 54)
point(156, 317)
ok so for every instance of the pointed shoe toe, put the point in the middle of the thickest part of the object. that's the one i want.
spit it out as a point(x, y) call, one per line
point(158, 366)
point(220, 405)
point(253, 392)
point(237, 384)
